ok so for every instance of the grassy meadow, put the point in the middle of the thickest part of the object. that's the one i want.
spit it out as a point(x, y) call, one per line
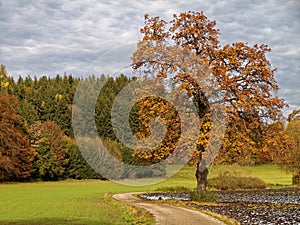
point(90, 202)
point(273, 175)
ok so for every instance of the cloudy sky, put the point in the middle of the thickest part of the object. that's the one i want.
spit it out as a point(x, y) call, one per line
point(49, 37)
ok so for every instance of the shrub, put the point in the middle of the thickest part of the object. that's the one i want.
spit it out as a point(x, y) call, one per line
point(205, 196)
point(296, 179)
point(234, 183)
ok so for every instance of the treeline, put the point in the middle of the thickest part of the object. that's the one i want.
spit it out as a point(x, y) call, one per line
point(36, 136)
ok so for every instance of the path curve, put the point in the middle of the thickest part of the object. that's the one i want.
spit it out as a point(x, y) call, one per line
point(166, 214)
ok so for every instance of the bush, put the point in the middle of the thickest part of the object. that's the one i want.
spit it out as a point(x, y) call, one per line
point(234, 183)
point(296, 179)
point(205, 196)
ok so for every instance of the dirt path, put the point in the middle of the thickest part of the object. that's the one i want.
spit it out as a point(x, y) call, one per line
point(167, 214)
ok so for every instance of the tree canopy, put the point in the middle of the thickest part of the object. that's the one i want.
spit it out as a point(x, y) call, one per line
point(187, 49)
point(16, 153)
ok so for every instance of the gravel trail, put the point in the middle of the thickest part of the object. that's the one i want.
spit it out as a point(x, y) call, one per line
point(167, 214)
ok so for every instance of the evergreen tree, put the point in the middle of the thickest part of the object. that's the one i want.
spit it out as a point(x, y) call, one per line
point(77, 167)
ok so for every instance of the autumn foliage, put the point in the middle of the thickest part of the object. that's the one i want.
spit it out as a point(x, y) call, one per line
point(50, 143)
point(290, 157)
point(187, 49)
point(16, 153)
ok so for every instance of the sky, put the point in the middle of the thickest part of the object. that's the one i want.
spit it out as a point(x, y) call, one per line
point(49, 37)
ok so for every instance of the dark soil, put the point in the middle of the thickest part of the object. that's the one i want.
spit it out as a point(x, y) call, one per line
point(256, 213)
point(277, 196)
point(263, 207)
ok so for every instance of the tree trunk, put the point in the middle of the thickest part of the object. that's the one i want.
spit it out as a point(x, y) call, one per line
point(201, 176)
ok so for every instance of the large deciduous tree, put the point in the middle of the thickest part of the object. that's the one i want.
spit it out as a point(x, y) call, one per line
point(187, 49)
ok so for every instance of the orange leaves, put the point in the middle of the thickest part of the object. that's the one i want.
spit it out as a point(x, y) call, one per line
point(15, 151)
point(154, 29)
point(246, 75)
point(151, 108)
point(160, 74)
point(188, 51)
point(290, 156)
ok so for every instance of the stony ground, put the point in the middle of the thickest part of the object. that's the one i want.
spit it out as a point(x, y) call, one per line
point(263, 207)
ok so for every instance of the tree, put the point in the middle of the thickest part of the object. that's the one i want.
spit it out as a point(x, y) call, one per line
point(248, 147)
point(50, 144)
point(290, 157)
point(77, 167)
point(4, 79)
point(16, 154)
point(187, 49)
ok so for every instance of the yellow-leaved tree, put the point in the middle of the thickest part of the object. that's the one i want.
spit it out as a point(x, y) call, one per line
point(290, 158)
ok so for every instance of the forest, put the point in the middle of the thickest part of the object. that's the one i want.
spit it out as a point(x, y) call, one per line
point(37, 140)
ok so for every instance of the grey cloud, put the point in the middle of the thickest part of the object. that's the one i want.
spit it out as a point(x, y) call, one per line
point(50, 37)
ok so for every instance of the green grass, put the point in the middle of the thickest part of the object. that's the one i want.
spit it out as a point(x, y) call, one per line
point(84, 202)
point(271, 174)
point(69, 202)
